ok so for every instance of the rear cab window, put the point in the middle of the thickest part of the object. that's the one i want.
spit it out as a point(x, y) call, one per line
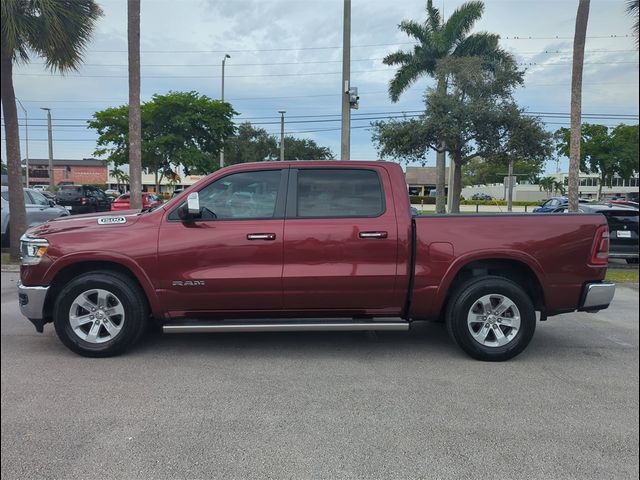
point(336, 193)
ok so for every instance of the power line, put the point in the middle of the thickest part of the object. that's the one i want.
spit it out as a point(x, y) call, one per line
point(311, 62)
point(332, 47)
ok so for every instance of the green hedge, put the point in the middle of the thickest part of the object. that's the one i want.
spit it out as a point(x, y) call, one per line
point(501, 203)
point(422, 200)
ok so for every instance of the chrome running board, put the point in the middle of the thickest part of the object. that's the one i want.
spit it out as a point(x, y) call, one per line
point(202, 327)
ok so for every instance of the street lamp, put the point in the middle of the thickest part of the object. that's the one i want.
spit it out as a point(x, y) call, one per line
point(50, 136)
point(224, 60)
point(26, 140)
point(282, 112)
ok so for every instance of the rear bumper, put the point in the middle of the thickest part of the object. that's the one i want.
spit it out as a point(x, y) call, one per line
point(623, 254)
point(31, 300)
point(597, 296)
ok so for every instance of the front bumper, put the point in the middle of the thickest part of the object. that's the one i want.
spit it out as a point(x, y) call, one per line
point(31, 300)
point(597, 296)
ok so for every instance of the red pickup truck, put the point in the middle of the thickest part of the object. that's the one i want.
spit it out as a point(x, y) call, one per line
point(275, 246)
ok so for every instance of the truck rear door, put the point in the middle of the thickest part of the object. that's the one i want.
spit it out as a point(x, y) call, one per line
point(340, 240)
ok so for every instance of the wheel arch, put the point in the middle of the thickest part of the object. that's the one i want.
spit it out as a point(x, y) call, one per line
point(519, 268)
point(78, 266)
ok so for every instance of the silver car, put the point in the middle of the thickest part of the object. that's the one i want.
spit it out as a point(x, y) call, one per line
point(39, 210)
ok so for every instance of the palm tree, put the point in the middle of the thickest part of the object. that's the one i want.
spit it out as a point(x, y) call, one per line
point(632, 9)
point(58, 31)
point(436, 40)
point(579, 38)
point(135, 122)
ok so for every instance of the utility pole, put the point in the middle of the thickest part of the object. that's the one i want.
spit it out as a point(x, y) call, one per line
point(282, 112)
point(50, 132)
point(345, 143)
point(224, 60)
point(26, 141)
point(510, 191)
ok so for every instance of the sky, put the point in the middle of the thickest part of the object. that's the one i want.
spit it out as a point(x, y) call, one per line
point(286, 55)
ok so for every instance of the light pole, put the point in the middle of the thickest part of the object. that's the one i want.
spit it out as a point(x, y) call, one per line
point(26, 141)
point(282, 112)
point(345, 140)
point(224, 60)
point(51, 180)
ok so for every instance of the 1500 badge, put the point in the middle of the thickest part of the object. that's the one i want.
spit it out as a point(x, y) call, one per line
point(111, 220)
point(188, 283)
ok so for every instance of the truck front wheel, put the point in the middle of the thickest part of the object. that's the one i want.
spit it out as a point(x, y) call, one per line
point(100, 314)
point(491, 318)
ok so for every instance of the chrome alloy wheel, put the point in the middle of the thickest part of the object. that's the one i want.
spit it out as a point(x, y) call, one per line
point(96, 316)
point(493, 320)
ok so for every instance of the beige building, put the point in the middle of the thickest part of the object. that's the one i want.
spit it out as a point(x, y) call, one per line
point(421, 180)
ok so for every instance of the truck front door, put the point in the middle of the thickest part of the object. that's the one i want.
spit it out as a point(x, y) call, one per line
point(231, 258)
point(340, 240)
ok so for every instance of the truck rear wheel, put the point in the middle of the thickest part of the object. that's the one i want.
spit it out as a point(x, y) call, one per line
point(491, 318)
point(100, 314)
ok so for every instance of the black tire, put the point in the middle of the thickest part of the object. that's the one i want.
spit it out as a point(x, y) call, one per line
point(124, 293)
point(632, 261)
point(466, 298)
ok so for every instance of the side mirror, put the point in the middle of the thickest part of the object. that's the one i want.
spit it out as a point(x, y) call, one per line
point(193, 203)
point(52, 203)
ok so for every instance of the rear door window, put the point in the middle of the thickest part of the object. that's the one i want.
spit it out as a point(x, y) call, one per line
point(338, 193)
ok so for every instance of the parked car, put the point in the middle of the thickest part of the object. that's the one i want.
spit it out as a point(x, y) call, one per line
point(49, 195)
point(149, 200)
point(110, 192)
point(39, 210)
point(40, 188)
point(554, 204)
point(288, 243)
point(83, 199)
point(626, 203)
point(623, 229)
point(481, 196)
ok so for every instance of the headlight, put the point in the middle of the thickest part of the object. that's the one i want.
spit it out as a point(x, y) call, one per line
point(32, 249)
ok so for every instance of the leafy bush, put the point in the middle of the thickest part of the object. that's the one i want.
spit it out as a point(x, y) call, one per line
point(422, 200)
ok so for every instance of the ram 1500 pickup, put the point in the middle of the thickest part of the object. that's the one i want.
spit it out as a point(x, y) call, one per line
point(276, 246)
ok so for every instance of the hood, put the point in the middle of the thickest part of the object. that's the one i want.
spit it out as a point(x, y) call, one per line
point(120, 219)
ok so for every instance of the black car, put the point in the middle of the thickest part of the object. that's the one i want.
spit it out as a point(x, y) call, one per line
point(623, 229)
point(83, 199)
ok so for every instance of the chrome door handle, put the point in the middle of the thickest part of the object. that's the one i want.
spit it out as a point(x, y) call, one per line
point(372, 234)
point(261, 236)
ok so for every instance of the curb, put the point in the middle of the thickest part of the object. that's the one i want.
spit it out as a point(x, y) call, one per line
point(10, 268)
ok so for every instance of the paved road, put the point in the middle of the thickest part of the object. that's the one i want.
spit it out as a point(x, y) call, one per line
point(393, 405)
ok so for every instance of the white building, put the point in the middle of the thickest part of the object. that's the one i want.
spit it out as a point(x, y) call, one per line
point(532, 193)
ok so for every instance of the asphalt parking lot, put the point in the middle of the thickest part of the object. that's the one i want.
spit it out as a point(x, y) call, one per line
point(348, 405)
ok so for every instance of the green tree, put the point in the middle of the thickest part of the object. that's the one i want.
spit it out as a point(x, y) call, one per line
point(550, 185)
point(475, 116)
point(480, 171)
point(178, 129)
point(305, 149)
point(120, 176)
point(632, 10)
point(607, 154)
point(56, 30)
point(436, 40)
point(252, 144)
